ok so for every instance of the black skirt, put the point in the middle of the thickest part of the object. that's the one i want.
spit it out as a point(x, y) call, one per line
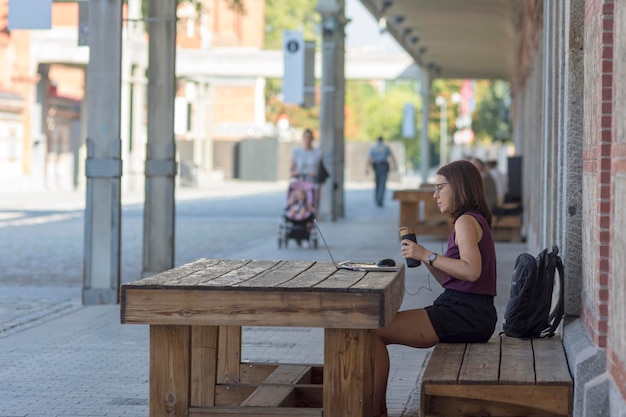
point(460, 317)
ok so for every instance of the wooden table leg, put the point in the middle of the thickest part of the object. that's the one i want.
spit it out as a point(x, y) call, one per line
point(203, 365)
point(348, 372)
point(408, 213)
point(229, 355)
point(169, 371)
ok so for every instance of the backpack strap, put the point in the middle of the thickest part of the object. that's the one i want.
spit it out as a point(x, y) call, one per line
point(555, 263)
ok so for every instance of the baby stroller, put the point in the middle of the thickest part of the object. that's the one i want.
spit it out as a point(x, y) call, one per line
point(302, 204)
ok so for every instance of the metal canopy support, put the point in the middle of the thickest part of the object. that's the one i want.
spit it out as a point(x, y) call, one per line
point(158, 226)
point(101, 279)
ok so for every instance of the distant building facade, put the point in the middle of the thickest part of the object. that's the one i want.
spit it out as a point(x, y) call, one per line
point(42, 108)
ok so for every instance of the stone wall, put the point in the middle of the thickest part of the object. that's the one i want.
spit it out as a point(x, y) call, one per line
point(568, 127)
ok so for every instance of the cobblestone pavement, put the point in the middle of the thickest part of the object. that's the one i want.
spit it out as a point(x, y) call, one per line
point(59, 358)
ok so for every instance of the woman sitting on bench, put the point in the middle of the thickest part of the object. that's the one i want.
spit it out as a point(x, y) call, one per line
point(464, 312)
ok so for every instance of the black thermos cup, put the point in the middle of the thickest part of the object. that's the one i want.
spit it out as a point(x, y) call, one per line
point(407, 233)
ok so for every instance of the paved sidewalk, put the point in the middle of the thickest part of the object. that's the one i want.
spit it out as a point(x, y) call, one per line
point(64, 359)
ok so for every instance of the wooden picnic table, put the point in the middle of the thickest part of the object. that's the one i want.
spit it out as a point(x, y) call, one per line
point(196, 311)
point(419, 211)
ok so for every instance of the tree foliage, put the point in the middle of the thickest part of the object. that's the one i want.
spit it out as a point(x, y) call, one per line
point(491, 122)
point(281, 15)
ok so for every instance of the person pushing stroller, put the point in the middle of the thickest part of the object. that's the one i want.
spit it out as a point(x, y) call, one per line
point(298, 207)
point(306, 160)
point(299, 213)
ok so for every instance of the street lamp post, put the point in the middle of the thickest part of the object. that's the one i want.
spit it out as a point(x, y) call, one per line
point(443, 135)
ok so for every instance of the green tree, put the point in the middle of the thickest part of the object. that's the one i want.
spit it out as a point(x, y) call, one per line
point(281, 15)
point(372, 111)
point(446, 88)
point(491, 121)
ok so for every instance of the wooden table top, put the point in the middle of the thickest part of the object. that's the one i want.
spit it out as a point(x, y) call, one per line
point(242, 292)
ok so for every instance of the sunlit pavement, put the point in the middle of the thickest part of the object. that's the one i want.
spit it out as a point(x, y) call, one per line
point(60, 358)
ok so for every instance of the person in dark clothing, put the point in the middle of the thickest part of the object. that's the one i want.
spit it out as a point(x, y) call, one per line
point(380, 159)
point(464, 312)
point(491, 190)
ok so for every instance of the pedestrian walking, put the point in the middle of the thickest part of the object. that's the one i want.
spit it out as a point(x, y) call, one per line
point(380, 158)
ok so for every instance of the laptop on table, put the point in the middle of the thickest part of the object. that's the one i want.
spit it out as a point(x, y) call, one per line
point(354, 266)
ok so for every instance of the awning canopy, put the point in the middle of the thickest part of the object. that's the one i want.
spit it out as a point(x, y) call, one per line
point(475, 39)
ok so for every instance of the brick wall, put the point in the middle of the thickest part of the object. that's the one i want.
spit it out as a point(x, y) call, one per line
point(598, 136)
point(230, 28)
point(604, 172)
point(616, 354)
point(232, 104)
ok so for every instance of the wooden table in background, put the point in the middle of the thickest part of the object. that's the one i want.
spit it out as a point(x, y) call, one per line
point(196, 311)
point(419, 211)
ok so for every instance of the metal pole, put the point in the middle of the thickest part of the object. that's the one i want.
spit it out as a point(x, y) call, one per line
point(103, 166)
point(424, 145)
point(158, 230)
point(443, 129)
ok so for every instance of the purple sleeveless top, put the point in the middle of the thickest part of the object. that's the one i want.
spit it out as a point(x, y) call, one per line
point(486, 283)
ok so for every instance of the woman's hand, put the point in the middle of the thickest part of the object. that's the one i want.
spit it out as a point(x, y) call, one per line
point(413, 250)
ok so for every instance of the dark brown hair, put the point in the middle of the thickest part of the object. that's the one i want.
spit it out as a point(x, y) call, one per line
point(468, 190)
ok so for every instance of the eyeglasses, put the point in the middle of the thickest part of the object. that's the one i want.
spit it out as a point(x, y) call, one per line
point(439, 187)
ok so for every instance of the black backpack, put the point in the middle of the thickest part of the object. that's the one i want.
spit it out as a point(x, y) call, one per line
point(528, 312)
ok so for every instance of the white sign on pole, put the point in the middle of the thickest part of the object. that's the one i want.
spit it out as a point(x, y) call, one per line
point(293, 75)
point(408, 121)
point(30, 14)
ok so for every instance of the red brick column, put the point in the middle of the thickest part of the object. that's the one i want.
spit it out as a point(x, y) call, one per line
point(597, 164)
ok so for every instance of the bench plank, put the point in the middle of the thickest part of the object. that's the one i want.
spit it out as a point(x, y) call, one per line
point(446, 406)
point(518, 363)
point(549, 362)
point(552, 399)
point(508, 221)
point(446, 360)
point(481, 363)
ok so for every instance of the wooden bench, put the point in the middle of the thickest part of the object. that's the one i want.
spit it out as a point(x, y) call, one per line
point(419, 211)
point(507, 228)
point(505, 377)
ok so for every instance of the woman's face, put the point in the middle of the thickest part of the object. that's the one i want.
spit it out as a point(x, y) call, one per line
point(307, 140)
point(443, 195)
